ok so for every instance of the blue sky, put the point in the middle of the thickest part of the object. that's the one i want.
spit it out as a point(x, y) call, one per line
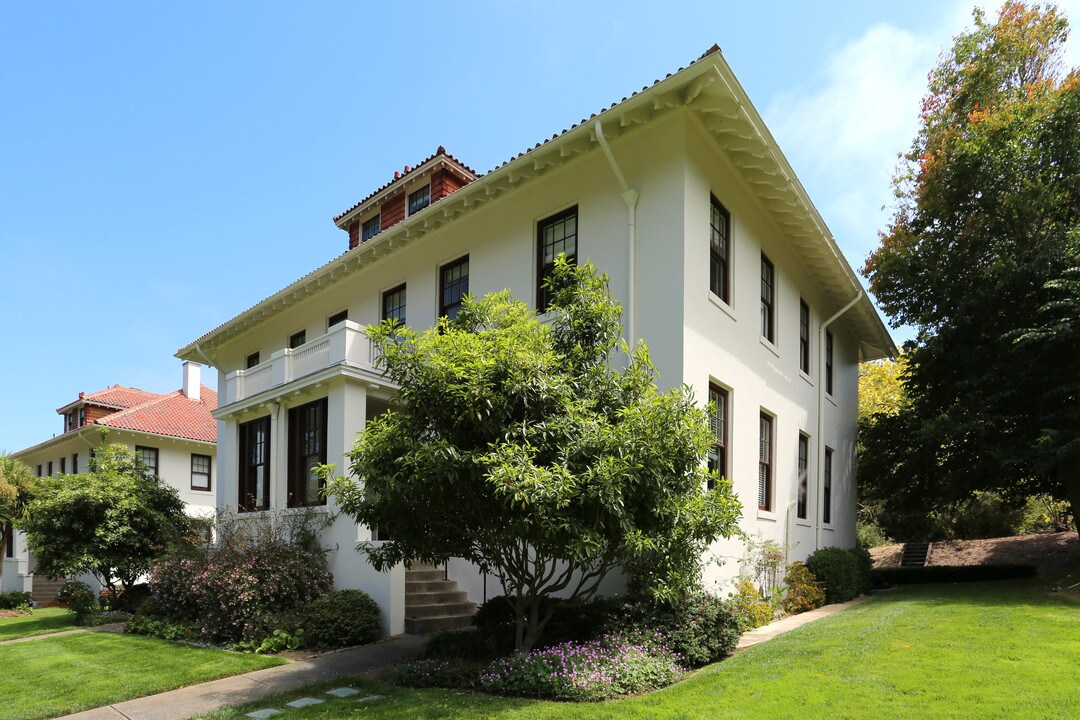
point(165, 166)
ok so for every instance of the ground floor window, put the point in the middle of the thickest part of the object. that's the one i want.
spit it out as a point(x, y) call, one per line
point(254, 465)
point(307, 449)
point(200, 472)
point(826, 487)
point(765, 436)
point(802, 509)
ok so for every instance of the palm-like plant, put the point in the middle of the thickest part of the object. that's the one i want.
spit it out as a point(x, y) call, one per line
point(15, 480)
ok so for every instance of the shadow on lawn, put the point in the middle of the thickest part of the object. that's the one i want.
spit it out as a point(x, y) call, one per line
point(1000, 593)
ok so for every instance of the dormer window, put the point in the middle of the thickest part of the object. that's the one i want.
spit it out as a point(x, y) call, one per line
point(370, 229)
point(420, 199)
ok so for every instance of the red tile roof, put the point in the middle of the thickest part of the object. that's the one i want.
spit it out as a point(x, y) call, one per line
point(172, 414)
point(117, 396)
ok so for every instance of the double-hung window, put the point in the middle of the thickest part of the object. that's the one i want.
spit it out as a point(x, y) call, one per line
point(803, 503)
point(420, 199)
point(297, 339)
point(75, 463)
point(307, 449)
point(720, 251)
point(804, 337)
point(370, 228)
point(393, 304)
point(149, 457)
point(765, 455)
point(453, 286)
point(255, 465)
point(200, 472)
point(63, 464)
point(826, 488)
point(718, 424)
point(768, 299)
point(556, 235)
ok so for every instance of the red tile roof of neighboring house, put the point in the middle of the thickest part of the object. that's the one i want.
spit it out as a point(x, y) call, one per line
point(171, 414)
point(117, 396)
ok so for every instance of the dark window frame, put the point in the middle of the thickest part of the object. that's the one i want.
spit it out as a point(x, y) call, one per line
point(828, 362)
point(297, 339)
point(370, 228)
point(39, 470)
point(74, 463)
point(251, 360)
point(545, 268)
point(804, 336)
point(768, 299)
point(9, 540)
point(309, 418)
point(208, 473)
point(141, 451)
point(766, 453)
point(397, 312)
point(415, 207)
point(802, 506)
point(249, 465)
point(50, 467)
point(826, 487)
point(337, 318)
point(719, 251)
point(63, 465)
point(718, 425)
point(444, 270)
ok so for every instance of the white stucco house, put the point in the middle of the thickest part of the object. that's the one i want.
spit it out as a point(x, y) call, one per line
point(718, 256)
point(175, 433)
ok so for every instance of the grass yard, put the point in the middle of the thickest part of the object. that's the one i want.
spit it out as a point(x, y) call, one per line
point(55, 676)
point(986, 650)
point(41, 622)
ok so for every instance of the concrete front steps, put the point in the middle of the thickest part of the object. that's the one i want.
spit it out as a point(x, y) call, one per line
point(434, 603)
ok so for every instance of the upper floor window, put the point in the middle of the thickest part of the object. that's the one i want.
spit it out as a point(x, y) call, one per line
point(370, 228)
point(453, 286)
point(149, 457)
point(252, 360)
point(826, 488)
point(297, 339)
point(200, 472)
point(49, 467)
point(336, 318)
point(768, 297)
point(307, 450)
point(63, 464)
point(718, 424)
point(802, 504)
point(254, 477)
point(82, 416)
point(765, 455)
point(804, 337)
point(719, 251)
point(554, 236)
point(828, 362)
point(393, 304)
point(420, 199)
point(75, 463)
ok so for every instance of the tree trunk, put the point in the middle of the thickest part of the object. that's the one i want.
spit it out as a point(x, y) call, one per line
point(1070, 480)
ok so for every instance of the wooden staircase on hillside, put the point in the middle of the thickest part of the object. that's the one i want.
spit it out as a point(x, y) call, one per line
point(915, 554)
point(433, 602)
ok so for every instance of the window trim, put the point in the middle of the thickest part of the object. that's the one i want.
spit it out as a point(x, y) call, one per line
point(768, 303)
point(828, 362)
point(543, 270)
point(63, 465)
point(443, 269)
point(245, 475)
point(375, 229)
point(765, 464)
point(140, 451)
point(50, 467)
point(724, 276)
point(251, 360)
point(826, 487)
point(721, 447)
point(74, 463)
point(409, 212)
point(804, 337)
point(802, 470)
point(300, 335)
point(209, 472)
point(337, 318)
point(296, 482)
point(402, 288)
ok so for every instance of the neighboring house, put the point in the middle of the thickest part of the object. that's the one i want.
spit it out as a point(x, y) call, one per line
point(175, 434)
point(721, 263)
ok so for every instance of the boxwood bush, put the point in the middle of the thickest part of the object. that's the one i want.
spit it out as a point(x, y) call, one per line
point(340, 619)
point(839, 570)
point(12, 600)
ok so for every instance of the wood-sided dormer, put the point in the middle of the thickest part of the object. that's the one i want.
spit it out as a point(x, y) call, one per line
point(411, 191)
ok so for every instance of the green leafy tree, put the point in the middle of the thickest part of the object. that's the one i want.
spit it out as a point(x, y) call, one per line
point(985, 228)
point(112, 521)
point(517, 445)
point(15, 483)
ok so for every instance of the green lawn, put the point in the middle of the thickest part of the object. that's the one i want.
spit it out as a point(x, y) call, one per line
point(45, 620)
point(980, 650)
point(55, 676)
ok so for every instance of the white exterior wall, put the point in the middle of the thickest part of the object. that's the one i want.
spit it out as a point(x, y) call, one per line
point(674, 166)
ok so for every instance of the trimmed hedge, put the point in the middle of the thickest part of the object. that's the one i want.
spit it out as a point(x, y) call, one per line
point(12, 600)
point(955, 573)
point(340, 619)
point(840, 570)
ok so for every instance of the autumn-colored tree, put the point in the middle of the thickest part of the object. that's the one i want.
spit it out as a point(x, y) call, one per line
point(987, 224)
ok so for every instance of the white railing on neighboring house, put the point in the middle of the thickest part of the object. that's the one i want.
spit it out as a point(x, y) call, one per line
point(343, 344)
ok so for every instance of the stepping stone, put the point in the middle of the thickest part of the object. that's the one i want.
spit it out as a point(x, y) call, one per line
point(371, 698)
point(343, 692)
point(263, 714)
point(304, 702)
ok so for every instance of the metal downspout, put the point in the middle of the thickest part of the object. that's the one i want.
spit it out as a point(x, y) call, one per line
point(630, 196)
point(821, 413)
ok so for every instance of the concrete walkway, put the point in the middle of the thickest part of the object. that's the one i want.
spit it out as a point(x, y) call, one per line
point(768, 632)
point(240, 689)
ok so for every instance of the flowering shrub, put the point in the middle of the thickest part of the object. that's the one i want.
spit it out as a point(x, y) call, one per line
point(599, 670)
point(803, 591)
point(78, 598)
point(752, 609)
point(699, 628)
point(447, 673)
point(340, 619)
point(262, 569)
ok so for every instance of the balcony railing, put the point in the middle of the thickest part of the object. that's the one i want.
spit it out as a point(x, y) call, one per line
point(344, 344)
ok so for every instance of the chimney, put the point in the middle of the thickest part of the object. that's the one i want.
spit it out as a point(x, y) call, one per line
point(192, 380)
